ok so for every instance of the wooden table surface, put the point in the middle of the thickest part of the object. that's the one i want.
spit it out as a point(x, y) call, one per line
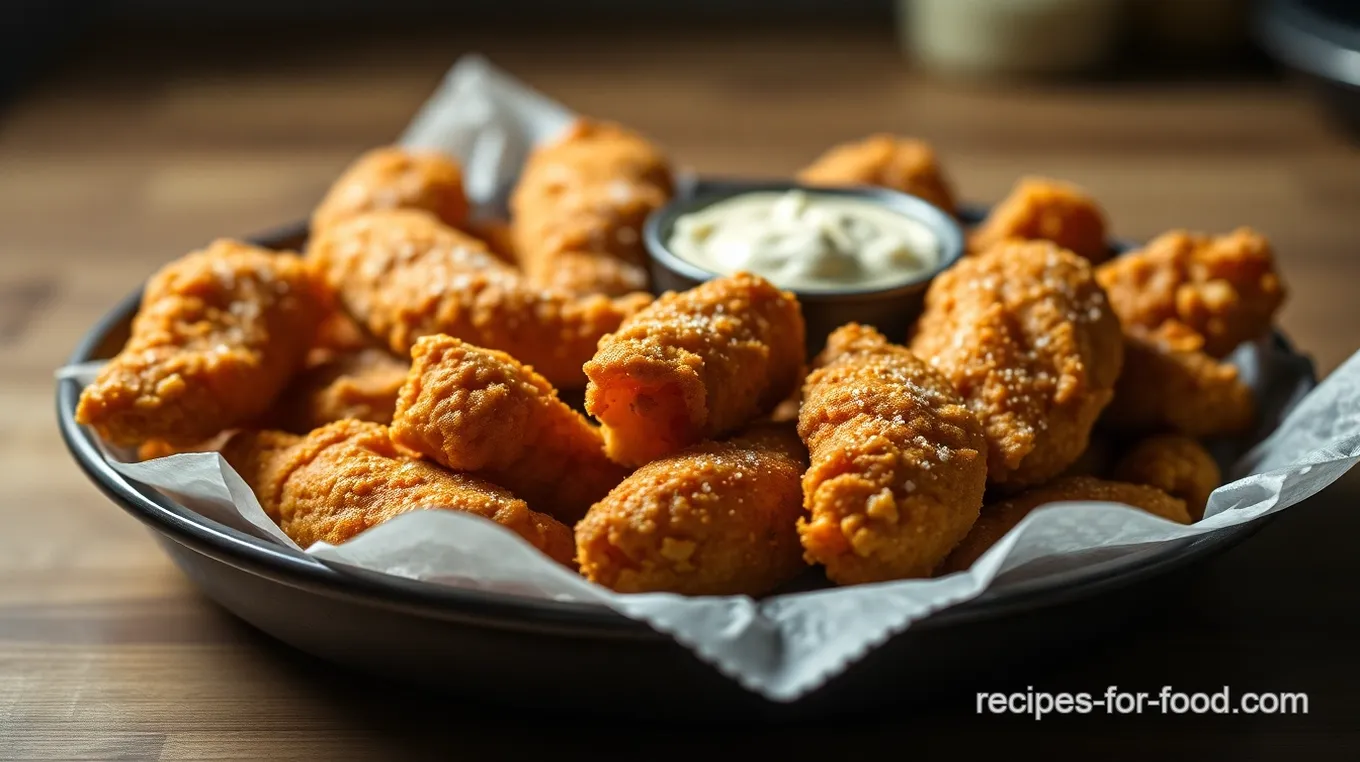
point(140, 149)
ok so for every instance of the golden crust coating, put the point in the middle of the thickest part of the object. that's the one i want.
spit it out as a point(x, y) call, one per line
point(1168, 384)
point(1026, 336)
point(898, 461)
point(695, 365)
point(1225, 288)
point(717, 518)
point(1040, 209)
point(218, 335)
point(474, 409)
point(348, 476)
point(391, 177)
point(361, 385)
point(404, 275)
point(1176, 465)
point(999, 518)
point(578, 209)
point(902, 164)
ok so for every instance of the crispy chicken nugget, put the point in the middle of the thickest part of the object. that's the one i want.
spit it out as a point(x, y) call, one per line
point(1026, 336)
point(898, 461)
point(395, 178)
point(347, 476)
point(404, 275)
point(902, 164)
point(1224, 288)
point(1176, 465)
point(1046, 210)
point(577, 212)
point(474, 409)
point(999, 518)
point(1168, 384)
point(695, 365)
point(218, 334)
point(717, 518)
point(361, 385)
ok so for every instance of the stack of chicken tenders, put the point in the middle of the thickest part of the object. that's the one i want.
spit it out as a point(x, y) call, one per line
point(412, 358)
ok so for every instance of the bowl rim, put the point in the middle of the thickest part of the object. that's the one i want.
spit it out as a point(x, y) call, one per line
point(660, 222)
point(507, 611)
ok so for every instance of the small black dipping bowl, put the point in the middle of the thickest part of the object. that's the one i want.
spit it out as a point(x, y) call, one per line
point(890, 309)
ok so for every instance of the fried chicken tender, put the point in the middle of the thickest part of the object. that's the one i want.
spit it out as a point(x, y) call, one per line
point(1026, 336)
point(395, 178)
point(479, 410)
point(361, 385)
point(695, 365)
point(1040, 209)
point(347, 477)
point(999, 518)
point(1225, 288)
point(404, 275)
point(1176, 465)
point(1168, 384)
point(901, 164)
point(717, 518)
point(218, 334)
point(578, 209)
point(898, 461)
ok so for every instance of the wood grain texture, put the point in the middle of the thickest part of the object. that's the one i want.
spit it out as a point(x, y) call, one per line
point(141, 150)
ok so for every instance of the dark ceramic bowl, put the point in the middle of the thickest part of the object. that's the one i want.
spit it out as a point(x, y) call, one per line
point(499, 649)
point(890, 309)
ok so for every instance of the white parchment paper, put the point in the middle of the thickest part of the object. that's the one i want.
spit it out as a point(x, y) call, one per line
point(784, 646)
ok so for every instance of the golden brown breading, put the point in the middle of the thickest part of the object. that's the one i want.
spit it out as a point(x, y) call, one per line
point(347, 477)
point(479, 410)
point(1048, 210)
point(497, 236)
point(717, 518)
point(902, 164)
point(1168, 384)
point(1026, 336)
point(338, 334)
point(218, 334)
point(577, 212)
point(406, 275)
point(1176, 465)
point(695, 365)
point(999, 518)
point(898, 461)
point(391, 177)
point(361, 385)
point(1224, 288)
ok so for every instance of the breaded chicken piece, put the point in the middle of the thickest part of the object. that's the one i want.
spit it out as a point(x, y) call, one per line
point(717, 518)
point(999, 518)
point(479, 410)
point(361, 385)
point(899, 462)
point(577, 212)
point(695, 365)
point(497, 236)
point(1040, 209)
point(404, 275)
point(1176, 465)
point(347, 477)
point(218, 335)
point(338, 334)
point(1025, 335)
point(1168, 384)
point(1225, 288)
point(901, 164)
point(392, 177)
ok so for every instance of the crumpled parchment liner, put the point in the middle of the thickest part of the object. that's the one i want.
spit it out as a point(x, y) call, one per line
point(784, 646)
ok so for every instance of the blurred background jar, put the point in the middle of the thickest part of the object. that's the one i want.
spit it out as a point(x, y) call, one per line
point(1004, 38)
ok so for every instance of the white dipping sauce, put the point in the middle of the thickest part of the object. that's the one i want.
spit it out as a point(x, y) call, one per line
point(807, 240)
